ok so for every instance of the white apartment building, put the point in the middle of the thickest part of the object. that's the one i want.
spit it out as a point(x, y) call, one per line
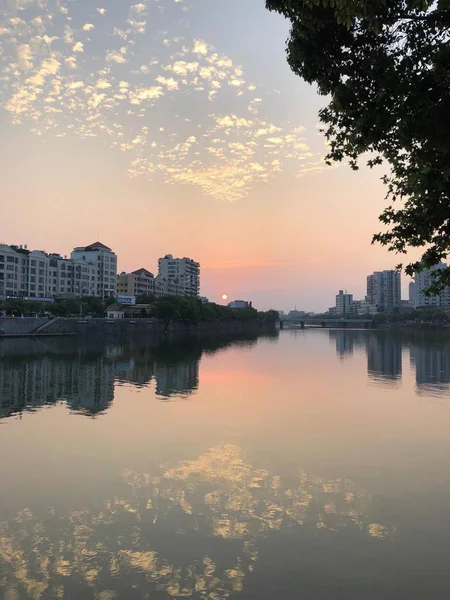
point(344, 303)
point(423, 280)
point(36, 274)
point(362, 307)
point(168, 287)
point(14, 270)
point(384, 290)
point(71, 278)
point(137, 283)
point(105, 260)
point(185, 271)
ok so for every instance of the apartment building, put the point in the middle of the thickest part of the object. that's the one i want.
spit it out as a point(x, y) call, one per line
point(105, 261)
point(36, 274)
point(71, 278)
point(137, 283)
point(384, 290)
point(422, 281)
point(184, 271)
point(14, 270)
point(168, 287)
point(344, 303)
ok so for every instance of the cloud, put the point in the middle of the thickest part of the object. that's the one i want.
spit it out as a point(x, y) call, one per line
point(142, 94)
point(117, 56)
point(71, 61)
point(49, 66)
point(170, 83)
point(233, 121)
point(70, 89)
point(200, 47)
point(102, 84)
point(139, 8)
point(25, 57)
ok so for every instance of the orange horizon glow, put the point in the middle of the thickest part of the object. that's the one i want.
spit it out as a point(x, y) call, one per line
point(188, 147)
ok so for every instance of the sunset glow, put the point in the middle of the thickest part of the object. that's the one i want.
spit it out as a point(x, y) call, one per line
point(157, 127)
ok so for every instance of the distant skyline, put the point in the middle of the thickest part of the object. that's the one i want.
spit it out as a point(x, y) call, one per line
point(176, 126)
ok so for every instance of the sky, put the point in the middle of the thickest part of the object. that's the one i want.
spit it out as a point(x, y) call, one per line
point(176, 126)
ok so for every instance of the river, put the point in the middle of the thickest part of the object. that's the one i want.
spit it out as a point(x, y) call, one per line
point(309, 464)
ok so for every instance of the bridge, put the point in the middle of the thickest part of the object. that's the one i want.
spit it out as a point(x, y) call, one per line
point(336, 323)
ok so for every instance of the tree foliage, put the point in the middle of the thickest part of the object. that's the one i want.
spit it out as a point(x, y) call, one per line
point(179, 309)
point(385, 64)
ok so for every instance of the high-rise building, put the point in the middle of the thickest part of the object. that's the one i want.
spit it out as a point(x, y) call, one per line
point(185, 271)
point(411, 292)
point(422, 281)
point(384, 290)
point(343, 303)
point(168, 287)
point(137, 283)
point(105, 260)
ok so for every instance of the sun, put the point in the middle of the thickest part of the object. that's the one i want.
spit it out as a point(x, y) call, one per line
point(224, 297)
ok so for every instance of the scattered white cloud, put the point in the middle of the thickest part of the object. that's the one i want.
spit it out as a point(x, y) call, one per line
point(200, 47)
point(55, 83)
point(117, 56)
point(170, 83)
point(25, 57)
point(139, 8)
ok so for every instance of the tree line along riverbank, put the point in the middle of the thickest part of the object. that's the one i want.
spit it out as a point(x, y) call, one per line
point(166, 309)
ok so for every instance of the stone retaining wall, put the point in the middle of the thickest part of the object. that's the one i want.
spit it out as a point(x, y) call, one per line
point(19, 325)
point(116, 328)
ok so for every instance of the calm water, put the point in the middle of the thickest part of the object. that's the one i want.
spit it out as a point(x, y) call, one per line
point(309, 465)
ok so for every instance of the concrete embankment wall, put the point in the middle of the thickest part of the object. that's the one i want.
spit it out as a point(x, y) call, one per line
point(114, 329)
point(20, 326)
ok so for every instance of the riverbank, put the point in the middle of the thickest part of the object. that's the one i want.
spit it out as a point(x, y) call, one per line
point(111, 329)
point(436, 325)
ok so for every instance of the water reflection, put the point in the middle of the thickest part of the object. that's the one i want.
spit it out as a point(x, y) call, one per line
point(432, 365)
point(34, 373)
point(189, 529)
point(429, 353)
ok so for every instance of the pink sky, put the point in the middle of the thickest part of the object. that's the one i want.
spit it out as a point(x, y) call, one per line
point(221, 161)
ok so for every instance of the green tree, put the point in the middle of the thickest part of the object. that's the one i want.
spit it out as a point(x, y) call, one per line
point(385, 64)
point(93, 306)
point(145, 299)
point(15, 307)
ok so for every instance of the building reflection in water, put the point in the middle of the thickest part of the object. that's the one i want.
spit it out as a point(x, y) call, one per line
point(429, 356)
point(34, 373)
point(432, 365)
point(346, 341)
point(384, 357)
point(191, 529)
